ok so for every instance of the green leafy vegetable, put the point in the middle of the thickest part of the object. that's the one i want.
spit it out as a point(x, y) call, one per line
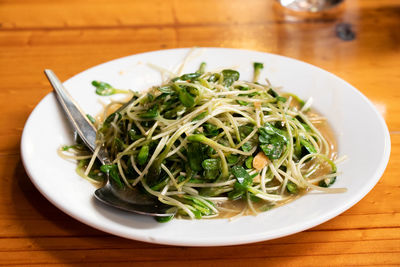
point(246, 147)
point(242, 103)
point(150, 113)
point(163, 219)
point(232, 159)
point(187, 77)
point(230, 76)
point(308, 146)
point(210, 129)
point(77, 147)
point(243, 182)
point(202, 68)
point(242, 176)
point(281, 99)
point(211, 168)
point(91, 119)
point(167, 89)
point(214, 77)
point(200, 116)
point(186, 98)
point(211, 164)
point(257, 70)
point(273, 93)
point(105, 89)
point(204, 129)
point(249, 162)
point(327, 182)
point(112, 171)
point(291, 188)
point(195, 156)
point(273, 141)
point(143, 155)
point(134, 135)
point(119, 144)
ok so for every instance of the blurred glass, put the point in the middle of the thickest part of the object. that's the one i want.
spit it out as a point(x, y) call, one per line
point(309, 5)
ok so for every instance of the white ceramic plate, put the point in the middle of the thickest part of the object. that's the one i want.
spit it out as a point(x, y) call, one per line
point(361, 133)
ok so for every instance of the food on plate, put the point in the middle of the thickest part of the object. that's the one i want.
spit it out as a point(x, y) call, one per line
point(212, 145)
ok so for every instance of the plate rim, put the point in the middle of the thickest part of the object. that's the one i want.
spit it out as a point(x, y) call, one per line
point(250, 238)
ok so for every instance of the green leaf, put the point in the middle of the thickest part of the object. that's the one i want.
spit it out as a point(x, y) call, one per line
point(298, 99)
point(190, 76)
point(211, 164)
point(281, 99)
point(257, 70)
point(91, 119)
point(242, 176)
point(133, 135)
point(197, 138)
point(230, 76)
point(310, 148)
point(237, 192)
point(111, 118)
point(243, 182)
point(77, 147)
point(210, 151)
point(211, 174)
point(187, 77)
point(214, 77)
point(249, 162)
point(273, 93)
point(246, 147)
point(210, 129)
point(119, 144)
point(150, 113)
point(273, 150)
point(273, 141)
point(163, 219)
point(195, 156)
point(105, 89)
point(167, 89)
point(181, 178)
point(306, 127)
point(149, 98)
point(202, 68)
point(242, 103)
point(200, 116)
point(102, 88)
point(112, 171)
point(96, 175)
point(197, 214)
point(245, 130)
point(175, 112)
point(232, 159)
point(186, 98)
point(258, 65)
point(292, 188)
point(327, 182)
point(161, 184)
point(143, 155)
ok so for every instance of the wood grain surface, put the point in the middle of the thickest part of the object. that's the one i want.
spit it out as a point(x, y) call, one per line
point(70, 36)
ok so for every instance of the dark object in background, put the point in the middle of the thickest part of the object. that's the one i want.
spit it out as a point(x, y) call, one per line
point(310, 5)
point(344, 32)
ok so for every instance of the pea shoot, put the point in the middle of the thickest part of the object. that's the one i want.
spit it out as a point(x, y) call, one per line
point(105, 89)
point(204, 141)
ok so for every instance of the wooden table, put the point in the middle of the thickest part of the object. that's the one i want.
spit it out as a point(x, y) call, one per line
point(70, 36)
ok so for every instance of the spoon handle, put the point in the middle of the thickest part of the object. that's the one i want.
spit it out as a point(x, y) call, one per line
point(76, 116)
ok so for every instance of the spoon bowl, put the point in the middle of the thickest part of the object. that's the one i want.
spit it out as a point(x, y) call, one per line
point(131, 200)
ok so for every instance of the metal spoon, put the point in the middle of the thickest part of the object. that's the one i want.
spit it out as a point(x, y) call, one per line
point(111, 194)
